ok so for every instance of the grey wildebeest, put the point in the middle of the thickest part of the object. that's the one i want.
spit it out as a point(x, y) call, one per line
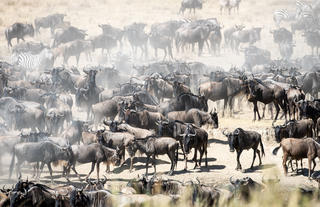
point(226, 90)
point(142, 119)
point(227, 34)
point(195, 116)
point(229, 4)
point(137, 38)
point(105, 109)
point(153, 146)
point(74, 48)
point(197, 138)
point(50, 21)
point(190, 4)
point(94, 153)
point(240, 140)
point(18, 30)
point(116, 140)
point(114, 32)
point(45, 152)
point(245, 36)
point(158, 41)
point(298, 149)
point(294, 95)
point(67, 35)
point(194, 32)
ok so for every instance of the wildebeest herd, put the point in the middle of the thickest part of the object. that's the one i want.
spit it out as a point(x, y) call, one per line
point(62, 114)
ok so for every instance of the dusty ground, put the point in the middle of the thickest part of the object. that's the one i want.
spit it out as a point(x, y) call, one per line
point(88, 14)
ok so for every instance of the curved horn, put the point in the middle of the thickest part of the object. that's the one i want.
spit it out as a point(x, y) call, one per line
point(231, 181)
point(225, 134)
point(104, 180)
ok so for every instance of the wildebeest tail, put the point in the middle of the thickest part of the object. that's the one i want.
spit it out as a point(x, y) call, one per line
point(275, 150)
point(262, 149)
point(12, 163)
point(6, 33)
point(177, 154)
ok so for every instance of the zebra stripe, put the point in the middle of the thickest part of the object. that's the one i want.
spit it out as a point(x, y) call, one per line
point(283, 15)
point(39, 61)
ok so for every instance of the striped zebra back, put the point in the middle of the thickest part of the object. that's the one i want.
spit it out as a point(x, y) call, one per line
point(32, 62)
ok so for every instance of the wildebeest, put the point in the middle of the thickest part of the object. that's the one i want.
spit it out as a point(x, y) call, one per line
point(105, 109)
point(281, 35)
point(299, 149)
point(152, 146)
point(266, 93)
point(18, 30)
point(45, 152)
point(227, 34)
point(227, 89)
point(294, 129)
point(157, 41)
point(313, 40)
point(143, 119)
point(240, 140)
point(50, 21)
point(137, 38)
point(294, 95)
point(229, 4)
point(67, 35)
point(197, 138)
point(114, 32)
point(94, 153)
point(245, 36)
point(255, 56)
point(195, 116)
point(190, 4)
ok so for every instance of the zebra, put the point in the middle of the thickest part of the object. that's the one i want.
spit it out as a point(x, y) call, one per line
point(283, 15)
point(31, 62)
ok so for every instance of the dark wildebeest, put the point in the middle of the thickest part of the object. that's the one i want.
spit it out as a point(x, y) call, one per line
point(197, 138)
point(50, 21)
point(294, 129)
point(245, 36)
point(31, 47)
point(227, 89)
point(240, 140)
point(153, 146)
point(266, 93)
point(189, 101)
point(45, 152)
point(281, 35)
point(190, 4)
point(199, 118)
point(18, 30)
point(179, 88)
point(94, 153)
point(309, 109)
point(298, 149)
point(158, 87)
point(103, 41)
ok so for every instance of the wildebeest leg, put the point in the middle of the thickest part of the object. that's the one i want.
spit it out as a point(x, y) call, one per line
point(200, 45)
point(131, 163)
point(258, 151)
point(284, 163)
point(50, 171)
point(314, 164)
point(185, 160)
point(156, 52)
point(172, 160)
point(256, 110)
point(225, 103)
point(41, 169)
point(154, 163)
point(98, 170)
point(263, 109)
point(201, 154)
point(77, 58)
point(277, 110)
point(92, 168)
point(309, 166)
point(238, 160)
point(195, 158)
point(147, 163)
point(254, 157)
